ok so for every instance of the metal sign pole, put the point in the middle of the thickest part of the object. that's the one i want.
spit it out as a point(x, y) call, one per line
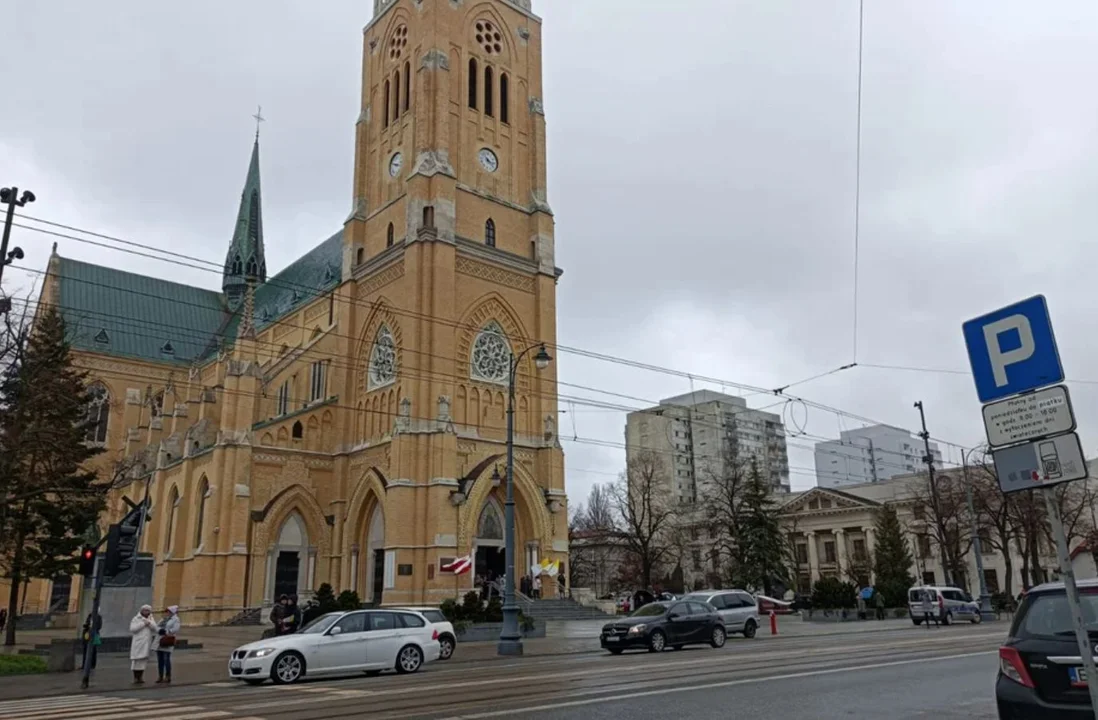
point(91, 651)
point(1086, 651)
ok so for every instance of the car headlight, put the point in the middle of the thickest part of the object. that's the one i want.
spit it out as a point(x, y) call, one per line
point(261, 652)
point(637, 629)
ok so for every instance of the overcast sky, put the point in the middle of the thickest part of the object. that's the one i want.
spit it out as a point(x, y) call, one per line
point(701, 170)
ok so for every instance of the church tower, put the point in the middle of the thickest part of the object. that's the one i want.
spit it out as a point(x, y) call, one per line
point(449, 252)
point(245, 262)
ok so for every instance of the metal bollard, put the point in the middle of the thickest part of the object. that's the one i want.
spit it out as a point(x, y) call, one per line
point(773, 623)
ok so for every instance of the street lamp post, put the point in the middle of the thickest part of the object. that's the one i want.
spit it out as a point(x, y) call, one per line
point(510, 637)
point(985, 599)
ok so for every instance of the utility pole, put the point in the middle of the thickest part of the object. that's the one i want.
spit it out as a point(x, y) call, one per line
point(929, 460)
point(11, 198)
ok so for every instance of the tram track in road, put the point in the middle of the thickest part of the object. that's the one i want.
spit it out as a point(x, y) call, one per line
point(424, 696)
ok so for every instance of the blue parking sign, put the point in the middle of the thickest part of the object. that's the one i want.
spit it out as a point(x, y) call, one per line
point(1013, 350)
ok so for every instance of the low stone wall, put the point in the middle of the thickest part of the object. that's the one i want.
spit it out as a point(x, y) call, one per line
point(489, 632)
point(850, 615)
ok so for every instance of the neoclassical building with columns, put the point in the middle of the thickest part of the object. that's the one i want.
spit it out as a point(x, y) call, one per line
point(343, 420)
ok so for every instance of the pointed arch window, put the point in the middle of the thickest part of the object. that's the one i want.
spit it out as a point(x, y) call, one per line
point(490, 525)
point(173, 513)
point(489, 108)
point(396, 95)
point(383, 367)
point(388, 94)
point(473, 83)
point(237, 267)
point(360, 256)
point(490, 233)
point(254, 219)
point(98, 414)
point(491, 355)
point(389, 236)
point(200, 517)
point(504, 98)
point(407, 85)
point(253, 268)
point(298, 430)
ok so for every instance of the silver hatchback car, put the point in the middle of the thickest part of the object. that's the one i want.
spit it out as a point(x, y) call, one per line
point(737, 608)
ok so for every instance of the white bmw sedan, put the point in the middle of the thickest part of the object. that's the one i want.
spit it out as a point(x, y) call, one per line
point(369, 641)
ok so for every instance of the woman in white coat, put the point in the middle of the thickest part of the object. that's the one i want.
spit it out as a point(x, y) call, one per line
point(165, 644)
point(143, 628)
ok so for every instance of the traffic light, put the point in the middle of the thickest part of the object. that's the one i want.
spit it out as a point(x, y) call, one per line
point(121, 547)
point(87, 561)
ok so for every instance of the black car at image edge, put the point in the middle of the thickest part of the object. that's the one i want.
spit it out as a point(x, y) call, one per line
point(1040, 670)
point(659, 625)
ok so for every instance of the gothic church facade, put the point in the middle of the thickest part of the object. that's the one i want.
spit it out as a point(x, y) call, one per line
point(344, 420)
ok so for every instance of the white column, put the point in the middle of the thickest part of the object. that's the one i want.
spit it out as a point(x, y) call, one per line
point(813, 558)
point(870, 546)
point(268, 587)
point(310, 571)
point(840, 553)
point(354, 568)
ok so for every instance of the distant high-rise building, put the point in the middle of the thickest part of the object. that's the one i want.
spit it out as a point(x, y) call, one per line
point(870, 454)
point(695, 435)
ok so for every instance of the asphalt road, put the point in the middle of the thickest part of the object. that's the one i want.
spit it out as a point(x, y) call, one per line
point(941, 673)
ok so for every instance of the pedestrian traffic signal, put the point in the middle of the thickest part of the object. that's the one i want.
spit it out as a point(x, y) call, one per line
point(87, 561)
point(121, 548)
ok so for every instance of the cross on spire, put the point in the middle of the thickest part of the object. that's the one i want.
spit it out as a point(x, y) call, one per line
point(258, 119)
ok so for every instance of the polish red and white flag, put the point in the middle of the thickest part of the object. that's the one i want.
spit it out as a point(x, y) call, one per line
point(459, 566)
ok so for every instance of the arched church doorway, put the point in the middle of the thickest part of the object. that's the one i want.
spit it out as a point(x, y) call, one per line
point(291, 556)
point(375, 557)
point(490, 561)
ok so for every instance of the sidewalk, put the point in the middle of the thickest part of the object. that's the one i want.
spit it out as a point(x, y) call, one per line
point(195, 667)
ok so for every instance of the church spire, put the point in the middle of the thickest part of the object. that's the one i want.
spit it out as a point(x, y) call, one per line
point(245, 261)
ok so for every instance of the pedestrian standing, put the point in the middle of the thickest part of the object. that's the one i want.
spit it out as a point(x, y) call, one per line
point(278, 614)
point(292, 620)
point(928, 610)
point(879, 600)
point(3, 619)
point(861, 605)
point(143, 629)
point(537, 587)
point(90, 636)
point(164, 644)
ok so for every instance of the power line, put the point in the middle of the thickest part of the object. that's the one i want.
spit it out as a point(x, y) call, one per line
point(419, 316)
point(858, 176)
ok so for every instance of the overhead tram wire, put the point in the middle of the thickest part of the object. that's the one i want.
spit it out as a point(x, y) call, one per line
point(858, 178)
point(436, 376)
point(216, 268)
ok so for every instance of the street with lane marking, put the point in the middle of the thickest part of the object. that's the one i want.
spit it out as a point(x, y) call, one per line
point(949, 671)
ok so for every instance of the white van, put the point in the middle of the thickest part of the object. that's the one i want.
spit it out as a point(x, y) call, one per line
point(950, 604)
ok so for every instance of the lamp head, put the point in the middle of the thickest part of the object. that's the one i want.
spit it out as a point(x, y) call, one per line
point(543, 358)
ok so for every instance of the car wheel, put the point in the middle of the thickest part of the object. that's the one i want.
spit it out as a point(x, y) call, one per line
point(657, 642)
point(948, 619)
point(254, 681)
point(372, 673)
point(749, 629)
point(409, 659)
point(446, 648)
point(977, 618)
point(289, 667)
point(718, 637)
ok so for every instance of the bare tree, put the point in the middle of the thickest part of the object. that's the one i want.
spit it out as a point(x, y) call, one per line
point(642, 501)
point(994, 517)
point(945, 508)
point(725, 508)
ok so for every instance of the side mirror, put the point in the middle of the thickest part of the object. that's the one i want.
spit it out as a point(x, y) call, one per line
point(335, 631)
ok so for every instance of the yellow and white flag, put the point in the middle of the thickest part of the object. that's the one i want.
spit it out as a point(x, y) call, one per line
point(549, 567)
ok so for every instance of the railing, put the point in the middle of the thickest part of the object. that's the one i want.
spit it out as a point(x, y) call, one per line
point(524, 602)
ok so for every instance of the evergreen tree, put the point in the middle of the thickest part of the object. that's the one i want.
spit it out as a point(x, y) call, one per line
point(48, 499)
point(764, 550)
point(892, 559)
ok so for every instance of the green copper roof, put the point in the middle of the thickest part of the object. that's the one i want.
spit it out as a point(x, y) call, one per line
point(245, 259)
point(311, 275)
point(120, 313)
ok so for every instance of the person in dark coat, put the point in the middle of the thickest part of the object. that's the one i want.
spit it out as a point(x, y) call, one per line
point(292, 621)
point(278, 615)
point(88, 636)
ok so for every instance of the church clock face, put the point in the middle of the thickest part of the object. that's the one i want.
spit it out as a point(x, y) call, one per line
point(488, 160)
point(395, 164)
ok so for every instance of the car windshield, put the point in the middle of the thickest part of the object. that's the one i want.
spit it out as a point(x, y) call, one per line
point(651, 610)
point(321, 624)
point(697, 597)
point(1049, 614)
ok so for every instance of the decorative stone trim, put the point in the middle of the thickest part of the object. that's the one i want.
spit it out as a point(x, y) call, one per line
point(433, 162)
point(383, 278)
point(435, 59)
point(494, 275)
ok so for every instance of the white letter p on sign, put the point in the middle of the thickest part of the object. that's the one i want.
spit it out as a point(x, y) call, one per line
point(1001, 360)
